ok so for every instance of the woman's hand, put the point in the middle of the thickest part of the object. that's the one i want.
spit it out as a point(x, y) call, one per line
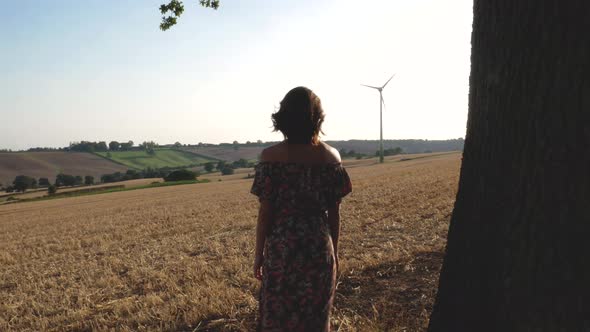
point(264, 217)
point(258, 266)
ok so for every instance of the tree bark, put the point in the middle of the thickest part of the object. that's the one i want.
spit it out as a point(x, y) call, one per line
point(517, 256)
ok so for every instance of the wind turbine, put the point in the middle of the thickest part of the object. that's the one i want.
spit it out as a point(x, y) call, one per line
point(381, 103)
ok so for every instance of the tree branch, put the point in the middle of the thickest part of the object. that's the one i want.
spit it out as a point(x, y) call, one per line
point(176, 8)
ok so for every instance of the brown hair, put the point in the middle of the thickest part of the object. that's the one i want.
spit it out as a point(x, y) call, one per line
point(300, 116)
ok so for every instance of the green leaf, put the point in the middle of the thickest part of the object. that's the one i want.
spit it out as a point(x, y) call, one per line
point(176, 8)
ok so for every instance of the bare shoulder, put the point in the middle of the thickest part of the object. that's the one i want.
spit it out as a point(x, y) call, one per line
point(272, 153)
point(332, 155)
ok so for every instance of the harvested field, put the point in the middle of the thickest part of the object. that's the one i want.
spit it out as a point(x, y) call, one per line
point(179, 258)
point(49, 164)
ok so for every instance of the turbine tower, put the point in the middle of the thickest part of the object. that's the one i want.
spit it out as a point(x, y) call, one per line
point(381, 103)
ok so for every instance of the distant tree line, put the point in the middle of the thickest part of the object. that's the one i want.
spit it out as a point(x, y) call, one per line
point(181, 175)
point(87, 146)
point(66, 180)
point(228, 168)
point(120, 146)
point(167, 173)
point(23, 182)
point(346, 154)
point(247, 143)
point(41, 149)
point(132, 174)
point(390, 151)
point(149, 147)
point(407, 145)
point(358, 146)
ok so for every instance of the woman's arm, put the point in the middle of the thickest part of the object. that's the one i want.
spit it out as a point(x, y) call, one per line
point(264, 217)
point(334, 222)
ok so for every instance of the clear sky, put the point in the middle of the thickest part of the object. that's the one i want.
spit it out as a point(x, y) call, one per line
point(74, 70)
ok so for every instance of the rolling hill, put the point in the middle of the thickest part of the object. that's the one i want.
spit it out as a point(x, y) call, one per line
point(251, 152)
point(138, 159)
point(49, 164)
point(227, 153)
point(408, 145)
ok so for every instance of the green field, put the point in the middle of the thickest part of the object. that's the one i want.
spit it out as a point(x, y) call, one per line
point(162, 158)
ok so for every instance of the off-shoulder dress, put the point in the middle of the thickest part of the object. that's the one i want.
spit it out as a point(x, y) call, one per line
point(299, 271)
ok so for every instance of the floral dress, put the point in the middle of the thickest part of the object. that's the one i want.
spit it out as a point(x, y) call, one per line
point(299, 271)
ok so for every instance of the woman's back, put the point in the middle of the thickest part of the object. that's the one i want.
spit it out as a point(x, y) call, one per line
point(306, 154)
point(300, 178)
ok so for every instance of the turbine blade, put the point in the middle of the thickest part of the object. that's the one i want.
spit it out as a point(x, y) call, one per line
point(369, 86)
point(383, 102)
point(388, 81)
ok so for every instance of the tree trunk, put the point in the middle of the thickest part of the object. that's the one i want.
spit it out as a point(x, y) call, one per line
point(519, 242)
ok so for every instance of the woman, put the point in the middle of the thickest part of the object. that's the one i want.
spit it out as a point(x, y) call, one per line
point(300, 183)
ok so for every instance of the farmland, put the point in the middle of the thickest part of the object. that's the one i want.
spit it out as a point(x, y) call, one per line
point(179, 258)
point(161, 158)
point(49, 164)
point(368, 147)
point(227, 153)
